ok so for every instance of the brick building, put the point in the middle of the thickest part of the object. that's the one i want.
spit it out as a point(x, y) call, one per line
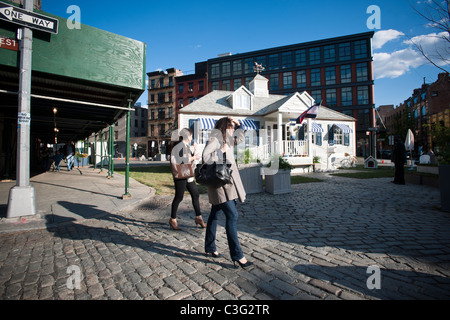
point(337, 71)
point(162, 115)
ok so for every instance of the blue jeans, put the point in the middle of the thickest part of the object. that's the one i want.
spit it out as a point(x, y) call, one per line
point(70, 160)
point(231, 215)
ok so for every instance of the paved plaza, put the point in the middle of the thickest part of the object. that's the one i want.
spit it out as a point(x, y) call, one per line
point(339, 239)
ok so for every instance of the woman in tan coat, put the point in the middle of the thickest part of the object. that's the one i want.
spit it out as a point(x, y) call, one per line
point(220, 148)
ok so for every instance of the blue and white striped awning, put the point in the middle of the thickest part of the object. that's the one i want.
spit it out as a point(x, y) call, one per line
point(248, 124)
point(345, 128)
point(206, 123)
point(316, 128)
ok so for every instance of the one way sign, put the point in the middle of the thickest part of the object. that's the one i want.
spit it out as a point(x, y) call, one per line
point(27, 18)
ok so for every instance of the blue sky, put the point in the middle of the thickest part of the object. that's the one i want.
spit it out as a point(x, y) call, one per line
point(180, 33)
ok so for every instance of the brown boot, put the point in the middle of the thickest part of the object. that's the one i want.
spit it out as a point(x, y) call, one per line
point(174, 224)
point(199, 222)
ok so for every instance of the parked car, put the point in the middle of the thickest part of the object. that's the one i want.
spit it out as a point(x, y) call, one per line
point(386, 154)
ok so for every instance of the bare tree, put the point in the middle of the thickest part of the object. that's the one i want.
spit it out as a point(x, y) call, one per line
point(437, 13)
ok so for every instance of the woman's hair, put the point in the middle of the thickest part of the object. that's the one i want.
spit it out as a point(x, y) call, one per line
point(222, 125)
point(184, 133)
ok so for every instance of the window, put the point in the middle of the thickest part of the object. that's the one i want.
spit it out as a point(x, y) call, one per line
point(314, 56)
point(191, 86)
point(346, 74)
point(152, 130)
point(317, 95)
point(162, 129)
point(329, 54)
point(338, 136)
point(201, 85)
point(161, 82)
point(180, 102)
point(274, 62)
point(330, 75)
point(286, 60)
point(274, 82)
point(161, 113)
point(170, 81)
point(424, 111)
point(331, 97)
point(315, 77)
point(363, 119)
point(180, 88)
point(361, 49)
point(241, 102)
point(152, 98)
point(226, 85)
point(152, 114)
point(287, 80)
point(237, 67)
point(347, 96)
point(247, 81)
point(170, 112)
point(170, 96)
point(363, 95)
point(248, 65)
point(300, 58)
point(361, 72)
point(215, 85)
point(344, 52)
point(161, 97)
point(236, 84)
point(301, 78)
point(226, 69)
point(215, 71)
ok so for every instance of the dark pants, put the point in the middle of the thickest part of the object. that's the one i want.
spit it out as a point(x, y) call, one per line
point(180, 188)
point(399, 177)
point(231, 216)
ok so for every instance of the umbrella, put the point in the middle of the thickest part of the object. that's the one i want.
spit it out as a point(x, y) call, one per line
point(409, 145)
point(409, 141)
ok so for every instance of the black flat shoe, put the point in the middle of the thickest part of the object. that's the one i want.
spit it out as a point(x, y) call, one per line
point(243, 265)
point(213, 254)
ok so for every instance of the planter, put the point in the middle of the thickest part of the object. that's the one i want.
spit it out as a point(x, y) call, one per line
point(160, 157)
point(279, 183)
point(251, 178)
point(444, 186)
point(428, 169)
point(80, 162)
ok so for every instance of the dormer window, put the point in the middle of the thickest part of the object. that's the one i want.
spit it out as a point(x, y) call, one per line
point(242, 102)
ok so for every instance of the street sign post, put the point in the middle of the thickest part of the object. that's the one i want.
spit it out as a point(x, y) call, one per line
point(27, 18)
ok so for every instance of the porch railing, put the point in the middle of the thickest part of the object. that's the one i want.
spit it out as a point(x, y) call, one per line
point(290, 148)
point(295, 148)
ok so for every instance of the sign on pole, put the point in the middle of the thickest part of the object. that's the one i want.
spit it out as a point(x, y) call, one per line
point(28, 18)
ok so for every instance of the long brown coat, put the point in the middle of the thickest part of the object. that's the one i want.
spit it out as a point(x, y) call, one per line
point(232, 191)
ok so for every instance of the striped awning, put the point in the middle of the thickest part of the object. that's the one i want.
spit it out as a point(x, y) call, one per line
point(345, 128)
point(248, 124)
point(316, 128)
point(206, 123)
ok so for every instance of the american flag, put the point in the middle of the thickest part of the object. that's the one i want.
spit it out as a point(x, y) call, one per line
point(310, 113)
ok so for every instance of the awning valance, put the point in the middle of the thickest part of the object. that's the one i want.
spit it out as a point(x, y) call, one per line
point(248, 124)
point(345, 128)
point(206, 123)
point(316, 128)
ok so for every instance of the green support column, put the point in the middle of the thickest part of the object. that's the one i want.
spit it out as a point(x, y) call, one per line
point(95, 151)
point(112, 151)
point(109, 154)
point(101, 151)
point(127, 194)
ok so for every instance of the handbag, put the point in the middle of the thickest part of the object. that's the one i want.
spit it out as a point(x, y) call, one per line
point(213, 174)
point(182, 170)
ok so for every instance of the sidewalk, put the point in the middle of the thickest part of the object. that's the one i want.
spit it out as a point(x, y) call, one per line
point(65, 196)
point(339, 239)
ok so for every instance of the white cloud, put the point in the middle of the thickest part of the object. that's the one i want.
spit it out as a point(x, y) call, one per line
point(382, 37)
point(396, 64)
point(434, 45)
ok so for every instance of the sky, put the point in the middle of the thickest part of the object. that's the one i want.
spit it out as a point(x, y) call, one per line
point(180, 33)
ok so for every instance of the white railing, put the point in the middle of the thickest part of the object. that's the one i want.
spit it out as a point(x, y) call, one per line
point(295, 148)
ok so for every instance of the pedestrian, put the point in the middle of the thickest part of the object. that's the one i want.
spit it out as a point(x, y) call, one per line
point(399, 158)
point(57, 160)
point(69, 152)
point(45, 158)
point(183, 158)
point(220, 148)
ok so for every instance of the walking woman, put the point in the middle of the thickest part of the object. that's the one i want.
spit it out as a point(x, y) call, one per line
point(218, 149)
point(180, 162)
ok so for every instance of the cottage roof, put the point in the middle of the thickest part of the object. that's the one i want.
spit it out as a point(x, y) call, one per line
point(217, 102)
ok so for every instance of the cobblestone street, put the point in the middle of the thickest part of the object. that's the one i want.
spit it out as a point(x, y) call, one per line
point(315, 243)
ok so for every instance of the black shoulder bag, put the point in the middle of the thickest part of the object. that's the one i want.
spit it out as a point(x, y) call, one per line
point(213, 174)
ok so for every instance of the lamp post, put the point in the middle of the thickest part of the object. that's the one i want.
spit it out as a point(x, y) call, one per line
point(127, 194)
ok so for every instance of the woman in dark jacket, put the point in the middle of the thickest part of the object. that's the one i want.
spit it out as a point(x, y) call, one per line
point(181, 154)
point(220, 148)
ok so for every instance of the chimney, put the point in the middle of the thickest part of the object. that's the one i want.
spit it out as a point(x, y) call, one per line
point(259, 86)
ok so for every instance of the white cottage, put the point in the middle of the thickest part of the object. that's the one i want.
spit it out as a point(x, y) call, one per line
point(270, 124)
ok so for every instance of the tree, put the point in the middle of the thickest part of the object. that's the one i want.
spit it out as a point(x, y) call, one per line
point(437, 13)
